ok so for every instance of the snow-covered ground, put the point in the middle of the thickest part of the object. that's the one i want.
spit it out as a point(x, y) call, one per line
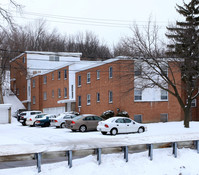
point(15, 137)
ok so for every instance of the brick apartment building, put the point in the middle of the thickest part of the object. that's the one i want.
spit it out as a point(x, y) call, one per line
point(63, 83)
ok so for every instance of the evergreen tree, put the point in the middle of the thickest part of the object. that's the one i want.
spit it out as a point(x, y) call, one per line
point(184, 37)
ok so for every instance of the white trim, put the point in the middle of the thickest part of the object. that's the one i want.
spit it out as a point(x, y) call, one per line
point(66, 101)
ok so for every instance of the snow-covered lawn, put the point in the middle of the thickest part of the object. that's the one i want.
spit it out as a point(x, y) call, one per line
point(15, 135)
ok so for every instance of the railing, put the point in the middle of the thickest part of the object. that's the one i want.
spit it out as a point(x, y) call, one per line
point(150, 147)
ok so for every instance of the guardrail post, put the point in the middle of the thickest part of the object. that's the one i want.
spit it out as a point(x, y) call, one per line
point(174, 145)
point(69, 154)
point(38, 157)
point(150, 154)
point(99, 151)
point(197, 145)
point(125, 148)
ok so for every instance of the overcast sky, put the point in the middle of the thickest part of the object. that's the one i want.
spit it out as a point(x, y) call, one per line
point(109, 19)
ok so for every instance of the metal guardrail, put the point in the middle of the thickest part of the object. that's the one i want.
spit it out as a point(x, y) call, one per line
point(38, 156)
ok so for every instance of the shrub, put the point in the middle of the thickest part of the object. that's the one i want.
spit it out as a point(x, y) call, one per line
point(107, 114)
point(123, 114)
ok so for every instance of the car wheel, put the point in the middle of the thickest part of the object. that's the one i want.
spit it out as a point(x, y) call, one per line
point(33, 124)
point(104, 133)
point(46, 124)
point(83, 128)
point(140, 130)
point(24, 124)
point(113, 131)
point(62, 125)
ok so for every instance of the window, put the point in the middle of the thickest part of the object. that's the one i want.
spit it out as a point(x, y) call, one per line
point(137, 94)
point(126, 120)
point(59, 75)
point(53, 58)
point(33, 83)
point(24, 59)
point(138, 118)
point(137, 69)
point(98, 74)
point(65, 92)
point(164, 70)
point(193, 103)
point(59, 93)
point(97, 118)
point(164, 95)
point(119, 120)
point(33, 100)
point(52, 76)
point(79, 80)
point(88, 99)
point(65, 73)
point(110, 72)
point(98, 97)
point(110, 97)
point(88, 77)
point(45, 79)
point(164, 117)
point(45, 96)
point(53, 94)
point(79, 101)
point(72, 91)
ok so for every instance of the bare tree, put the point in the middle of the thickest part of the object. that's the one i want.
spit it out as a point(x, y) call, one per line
point(156, 70)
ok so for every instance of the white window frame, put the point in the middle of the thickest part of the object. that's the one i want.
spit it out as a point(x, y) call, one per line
point(59, 75)
point(53, 76)
point(110, 72)
point(45, 95)
point(59, 93)
point(88, 77)
point(98, 97)
point(164, 95)
point(72, 91)
point(45, 79)
point(98, 74)
point(79, 101)
point(137, 95)
point(33, 100)
point(110, 96)
point(33, 83)
point(193, 103)
point(79, 80)
point(53, 93)
point(88, 99)
point(65, 92)
point(65, 74)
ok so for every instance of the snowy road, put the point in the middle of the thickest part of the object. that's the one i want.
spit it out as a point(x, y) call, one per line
point(18, 139)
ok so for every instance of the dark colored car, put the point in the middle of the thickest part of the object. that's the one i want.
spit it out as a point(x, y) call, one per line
point(45, 121)
point(85, 122)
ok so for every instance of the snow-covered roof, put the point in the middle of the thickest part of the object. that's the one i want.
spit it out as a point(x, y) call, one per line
point(67, 54)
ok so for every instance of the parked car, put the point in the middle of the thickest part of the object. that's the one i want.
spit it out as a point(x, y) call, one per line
point(16, 114)
point(30, 121)
point(26, 114)
point(45, 120)
point(59, 122)
point(115, 125)
point(85, 122)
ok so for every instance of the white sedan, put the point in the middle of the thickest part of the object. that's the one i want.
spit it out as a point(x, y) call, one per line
point(116, 125)
point(59, 121)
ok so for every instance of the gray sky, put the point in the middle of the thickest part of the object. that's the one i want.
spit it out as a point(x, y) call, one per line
point(72, 16)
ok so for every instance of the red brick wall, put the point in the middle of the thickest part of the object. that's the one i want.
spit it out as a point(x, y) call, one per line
point(18, 71)
point(55, 84)
point(123, 95)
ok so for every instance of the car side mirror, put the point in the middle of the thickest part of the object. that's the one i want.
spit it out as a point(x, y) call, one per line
point(133, 122)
